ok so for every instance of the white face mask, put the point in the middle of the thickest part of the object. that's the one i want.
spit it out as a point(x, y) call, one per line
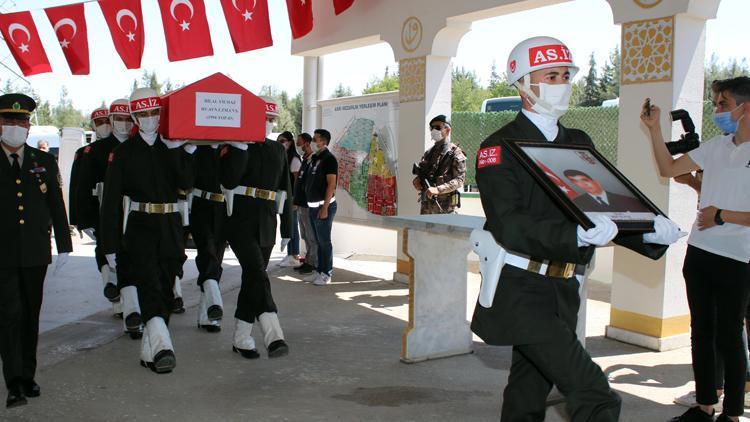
point(314, 147)
point(148, 127)
point(436, 135)
point(122, 129)
point(553, 100)
point(300, 151)
point(269, 128)
point(15, 136)
point(103, 131)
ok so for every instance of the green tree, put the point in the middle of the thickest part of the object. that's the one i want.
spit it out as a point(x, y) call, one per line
point(387, 83)
point(342, 91)
point(64, 114)
point(716, 70)
point(591, 96)
point(295, 109)
point(498, 86)
point(609, 83)
point(466, 92)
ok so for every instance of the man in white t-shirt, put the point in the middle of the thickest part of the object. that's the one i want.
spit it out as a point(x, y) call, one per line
point(717, 263)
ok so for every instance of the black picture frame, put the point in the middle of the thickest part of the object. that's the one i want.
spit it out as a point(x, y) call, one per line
point(625, 204)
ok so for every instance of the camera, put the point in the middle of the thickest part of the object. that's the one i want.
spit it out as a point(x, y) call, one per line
point(689, 140)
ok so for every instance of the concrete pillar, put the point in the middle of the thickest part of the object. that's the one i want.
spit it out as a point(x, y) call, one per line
point(663, 51)
point(312, 91)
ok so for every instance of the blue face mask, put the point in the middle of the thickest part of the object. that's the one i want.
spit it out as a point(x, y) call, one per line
point(724, 121)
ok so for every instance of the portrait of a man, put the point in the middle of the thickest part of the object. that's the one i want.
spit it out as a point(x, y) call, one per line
point(596, 199)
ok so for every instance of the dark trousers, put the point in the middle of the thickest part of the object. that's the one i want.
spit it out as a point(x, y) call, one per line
point(717, 291)
point(559, 360)
point(206, 225)
point(293, 247)
point(150, 260)
point(323, 237)
point(255, 296)
point(21, 291)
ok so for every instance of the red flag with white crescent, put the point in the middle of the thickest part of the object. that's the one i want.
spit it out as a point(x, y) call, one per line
point(69, 23)
point(300, 17)
point(125, 21)
point(340, 6)
point(557, 181)
point(186, 29)
point(248, 24)
point(24, 43)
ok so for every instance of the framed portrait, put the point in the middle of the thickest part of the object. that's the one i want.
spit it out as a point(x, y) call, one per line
point(584, 183)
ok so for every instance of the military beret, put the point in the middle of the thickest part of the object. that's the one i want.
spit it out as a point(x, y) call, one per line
point(440, 118)
point(16, 106)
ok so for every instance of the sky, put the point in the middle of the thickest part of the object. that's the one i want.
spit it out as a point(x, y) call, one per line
point(587, 27)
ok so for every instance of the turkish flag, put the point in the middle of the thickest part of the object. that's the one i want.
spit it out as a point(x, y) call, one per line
point(125, 21)
point(340, 6)
point(300, 17)
point(557, 181)
point(249, 26)
point(69, 24)
point(186, 29)
point(24, 43)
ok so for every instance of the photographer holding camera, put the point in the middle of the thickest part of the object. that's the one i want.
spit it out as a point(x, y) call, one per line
point(717, 263)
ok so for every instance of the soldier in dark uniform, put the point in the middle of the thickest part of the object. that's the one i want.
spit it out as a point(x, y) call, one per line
point(90, 189)
point(444, 167)
point(73, 186)
point(30, 197)
point(208, 214)
point(536, 302)
point(145, 174)
point(255, 178)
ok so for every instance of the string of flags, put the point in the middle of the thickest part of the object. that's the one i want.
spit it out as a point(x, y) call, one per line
point(185, 26)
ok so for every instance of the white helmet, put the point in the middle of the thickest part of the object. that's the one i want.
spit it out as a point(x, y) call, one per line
point(120, 106)
point(538, 53)
point(272, 109)
point(99, 113)
point(144, 99)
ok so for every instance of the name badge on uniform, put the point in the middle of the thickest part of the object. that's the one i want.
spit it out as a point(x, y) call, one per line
point(37, 170)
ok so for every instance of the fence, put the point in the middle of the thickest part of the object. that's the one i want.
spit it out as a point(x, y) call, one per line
point(470, 129)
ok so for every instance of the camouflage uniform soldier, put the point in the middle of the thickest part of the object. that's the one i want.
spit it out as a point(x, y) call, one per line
point(441, 171)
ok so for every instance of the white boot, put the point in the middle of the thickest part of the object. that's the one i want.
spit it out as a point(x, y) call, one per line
point(214, 302)
point(161, 345)
point(131, 309)
point(179, 304)
point(203, 320)
point(272, 334)
point(147, 356)
point(243, 343)
point(117, 308)
point(109, 279)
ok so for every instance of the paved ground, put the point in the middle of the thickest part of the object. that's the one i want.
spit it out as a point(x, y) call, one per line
point(345, 342)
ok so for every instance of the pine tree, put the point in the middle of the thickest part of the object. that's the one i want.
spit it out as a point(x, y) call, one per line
point(591, 94)
point(342, 91)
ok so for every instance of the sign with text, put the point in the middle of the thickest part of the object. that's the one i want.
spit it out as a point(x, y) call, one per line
point(218, 110)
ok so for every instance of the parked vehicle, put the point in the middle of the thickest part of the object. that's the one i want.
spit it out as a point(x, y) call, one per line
point(497, 104)
point(51, 134)
point(611, 103)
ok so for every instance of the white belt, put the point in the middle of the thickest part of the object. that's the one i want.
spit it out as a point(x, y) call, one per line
point(253, 192)
point(150, 208)
point(211, 196)
point(320, 203)
point(545, 267)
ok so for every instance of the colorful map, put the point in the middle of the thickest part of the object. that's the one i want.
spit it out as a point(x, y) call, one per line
point(367, 166)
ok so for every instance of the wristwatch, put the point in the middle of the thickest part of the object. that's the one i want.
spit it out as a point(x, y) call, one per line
point(717, 218)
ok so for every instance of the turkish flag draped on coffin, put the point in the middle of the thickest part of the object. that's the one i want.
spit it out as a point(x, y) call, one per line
point(300, 17)
point(24, 43)
point(125, 21)
point(69, 24)
point(248, 24)
point(340, 6)
point(186, 29)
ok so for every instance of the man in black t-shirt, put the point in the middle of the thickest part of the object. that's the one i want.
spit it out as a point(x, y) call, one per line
point(304, 141)
point(320, 189)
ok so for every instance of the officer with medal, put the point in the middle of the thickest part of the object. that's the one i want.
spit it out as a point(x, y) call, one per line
point(30, 198)
point(255, 181)
point(208, 214)
point(535, 305)
point(142, 225)
point(113, 126)
point(442, 169)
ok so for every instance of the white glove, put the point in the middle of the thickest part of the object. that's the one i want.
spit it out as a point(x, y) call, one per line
point(90, 233)
point(242, 146)
point(665, 232)
point(284, 242)
point(62, 259)
point(190, 148)
point(111, 260)
point(173, 144)
point(601, 234)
